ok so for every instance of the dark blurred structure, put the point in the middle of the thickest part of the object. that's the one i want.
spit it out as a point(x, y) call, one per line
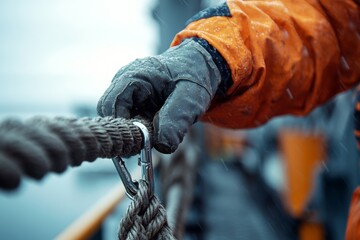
point(237, 196)
point(320, 164)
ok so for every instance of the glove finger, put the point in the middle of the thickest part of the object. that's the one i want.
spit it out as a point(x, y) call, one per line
point(118, 83)
point(107, 103)
point(182, 108)
point(134, 100)
point(126, 99)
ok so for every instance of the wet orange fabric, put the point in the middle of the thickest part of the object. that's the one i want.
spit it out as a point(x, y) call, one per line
point(353, 225)
point(285, 57)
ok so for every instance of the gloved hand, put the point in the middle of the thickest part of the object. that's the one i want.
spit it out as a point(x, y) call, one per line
point(173, 89)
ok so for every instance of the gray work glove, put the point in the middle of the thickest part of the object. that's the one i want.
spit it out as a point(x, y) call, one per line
point(173, 89)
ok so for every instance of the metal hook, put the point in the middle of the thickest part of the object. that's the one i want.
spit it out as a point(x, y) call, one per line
point(147, 174)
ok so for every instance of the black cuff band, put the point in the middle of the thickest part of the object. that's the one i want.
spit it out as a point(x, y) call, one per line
point(226, 80)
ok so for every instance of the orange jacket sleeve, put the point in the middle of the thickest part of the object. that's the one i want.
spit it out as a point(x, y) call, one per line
point(285, 56)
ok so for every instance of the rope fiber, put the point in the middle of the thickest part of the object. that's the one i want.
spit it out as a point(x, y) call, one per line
point(145, 218)
point(41, 145)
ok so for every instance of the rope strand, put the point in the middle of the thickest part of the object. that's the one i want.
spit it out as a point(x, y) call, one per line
point(145, 218)
point(41, 145)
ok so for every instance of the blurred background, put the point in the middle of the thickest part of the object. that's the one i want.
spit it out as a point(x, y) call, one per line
point(57, 55)
point(290, 179)
point(57, 58)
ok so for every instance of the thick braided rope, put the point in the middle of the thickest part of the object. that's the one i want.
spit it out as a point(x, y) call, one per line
point(40, 145)
point(145, 218)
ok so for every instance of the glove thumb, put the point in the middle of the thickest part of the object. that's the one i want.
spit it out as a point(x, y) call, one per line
point(181, 109)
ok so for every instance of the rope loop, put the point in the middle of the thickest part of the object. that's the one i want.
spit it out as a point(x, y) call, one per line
point(145, 218)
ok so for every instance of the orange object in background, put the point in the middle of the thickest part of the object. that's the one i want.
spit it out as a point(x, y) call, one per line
point(303, 154)
point(311, 231)
point(353, 225)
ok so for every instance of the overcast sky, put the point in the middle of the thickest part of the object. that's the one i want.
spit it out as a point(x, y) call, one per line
point(63, 52)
